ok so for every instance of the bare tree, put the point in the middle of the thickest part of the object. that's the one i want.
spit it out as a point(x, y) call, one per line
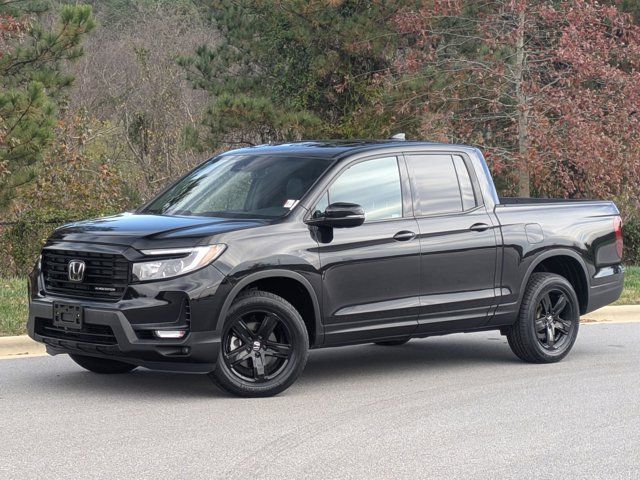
point(130, 80)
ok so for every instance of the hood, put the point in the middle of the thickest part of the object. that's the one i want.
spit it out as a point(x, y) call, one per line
point(148, 231)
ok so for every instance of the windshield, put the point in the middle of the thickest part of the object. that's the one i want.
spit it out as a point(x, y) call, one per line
point(257, 186)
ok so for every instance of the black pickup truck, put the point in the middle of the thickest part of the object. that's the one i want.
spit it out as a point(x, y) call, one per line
point(262, 253)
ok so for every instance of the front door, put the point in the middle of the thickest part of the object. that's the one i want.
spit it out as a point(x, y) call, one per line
point(457, 243)
point(371, 273)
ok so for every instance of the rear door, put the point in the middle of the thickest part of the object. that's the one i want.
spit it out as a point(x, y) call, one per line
point(371, 273)
point(458, 247)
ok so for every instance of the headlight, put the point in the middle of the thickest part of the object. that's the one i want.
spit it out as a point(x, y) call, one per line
point(189, 259)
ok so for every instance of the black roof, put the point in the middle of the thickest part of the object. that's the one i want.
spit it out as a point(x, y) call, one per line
point(327, 148)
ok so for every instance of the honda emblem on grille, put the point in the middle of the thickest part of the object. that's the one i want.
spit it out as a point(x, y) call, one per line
point(76, 270)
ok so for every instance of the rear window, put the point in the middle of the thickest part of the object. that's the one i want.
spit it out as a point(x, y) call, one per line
point(435, 184)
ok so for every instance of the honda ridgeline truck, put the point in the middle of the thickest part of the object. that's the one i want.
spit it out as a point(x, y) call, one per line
point(260, 254)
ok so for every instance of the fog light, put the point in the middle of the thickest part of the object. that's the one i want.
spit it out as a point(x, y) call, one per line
point(170, 333)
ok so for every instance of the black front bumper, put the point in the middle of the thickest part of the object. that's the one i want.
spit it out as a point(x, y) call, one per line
point(196, 353)
point(123, 330)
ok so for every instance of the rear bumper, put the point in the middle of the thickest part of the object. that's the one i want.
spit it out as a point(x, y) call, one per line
point(606, 287)
point(196, 353)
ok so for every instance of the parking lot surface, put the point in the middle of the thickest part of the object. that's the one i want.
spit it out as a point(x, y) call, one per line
point(460, 406)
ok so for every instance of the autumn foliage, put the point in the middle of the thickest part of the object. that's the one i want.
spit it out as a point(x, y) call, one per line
point(586, 124)
point(547, 89)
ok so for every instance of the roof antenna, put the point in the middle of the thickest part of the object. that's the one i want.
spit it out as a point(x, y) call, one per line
point(399, 136)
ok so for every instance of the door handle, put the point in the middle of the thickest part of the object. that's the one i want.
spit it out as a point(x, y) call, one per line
point(404, 235)
point(479, 227)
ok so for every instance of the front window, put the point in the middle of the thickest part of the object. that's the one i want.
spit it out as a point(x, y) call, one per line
point(372, 184)
point(239, 186)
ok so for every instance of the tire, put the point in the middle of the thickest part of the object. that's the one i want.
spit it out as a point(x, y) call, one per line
point(392, 343)
point(547, 326)
point(102, 365)
point(264, 346)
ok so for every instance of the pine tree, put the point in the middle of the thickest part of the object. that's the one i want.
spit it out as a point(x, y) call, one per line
point(33, 84)
point(287, 69)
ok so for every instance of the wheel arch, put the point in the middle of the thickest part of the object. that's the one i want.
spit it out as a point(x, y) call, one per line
point(276, 279)
point(567, 264)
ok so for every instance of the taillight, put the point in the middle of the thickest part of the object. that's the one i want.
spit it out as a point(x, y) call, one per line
point(617, 227)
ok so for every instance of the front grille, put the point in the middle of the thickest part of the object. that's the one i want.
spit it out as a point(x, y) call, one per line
point(96, 334)
point(106, 275)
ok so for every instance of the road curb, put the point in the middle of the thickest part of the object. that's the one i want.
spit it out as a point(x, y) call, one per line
point(20, 346)
point(24, 346)
point(614, 314)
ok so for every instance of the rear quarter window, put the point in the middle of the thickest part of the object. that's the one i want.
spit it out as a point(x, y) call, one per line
point(469, 200)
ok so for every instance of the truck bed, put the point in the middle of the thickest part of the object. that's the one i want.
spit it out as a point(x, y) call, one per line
point(526, 200)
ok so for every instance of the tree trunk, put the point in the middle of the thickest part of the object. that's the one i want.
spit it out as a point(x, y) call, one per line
point(522, 111)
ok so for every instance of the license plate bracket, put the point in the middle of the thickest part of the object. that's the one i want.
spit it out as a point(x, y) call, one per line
point(68, 315)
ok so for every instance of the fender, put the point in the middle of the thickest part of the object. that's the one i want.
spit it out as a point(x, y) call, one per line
point(237, 288)
point(556, 252)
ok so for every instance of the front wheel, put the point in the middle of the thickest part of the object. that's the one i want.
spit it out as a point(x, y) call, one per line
point(102, 365)
point(549, 318)
point(264, 346)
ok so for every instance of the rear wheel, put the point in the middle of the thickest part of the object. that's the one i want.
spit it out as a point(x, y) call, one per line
point(264, 347)
point(393, 343)
point(549, 319)
point(102, 365)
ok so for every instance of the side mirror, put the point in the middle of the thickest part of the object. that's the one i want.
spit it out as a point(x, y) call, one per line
point(339, 215)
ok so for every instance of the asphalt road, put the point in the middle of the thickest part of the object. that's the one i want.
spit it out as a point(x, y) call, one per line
point(460, 406)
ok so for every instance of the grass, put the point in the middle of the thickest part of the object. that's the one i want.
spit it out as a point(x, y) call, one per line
point(631, 293)
point(13, 306)
point(13, 300)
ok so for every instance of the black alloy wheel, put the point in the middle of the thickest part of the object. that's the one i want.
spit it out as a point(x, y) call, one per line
point(264, 346)
point(257, 346)
point(548, 322)
point(554, 319)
